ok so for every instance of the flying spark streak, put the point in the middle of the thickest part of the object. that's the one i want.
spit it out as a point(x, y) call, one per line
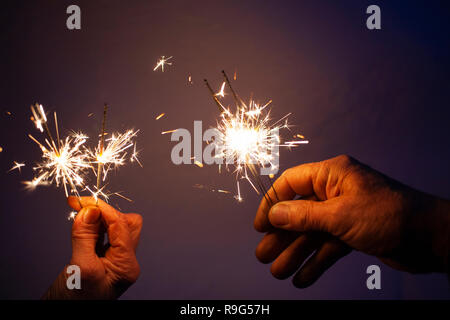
point(98, 193)
point(160, 116)
point(161, 62)
point(221, 93)
point(17, 166)
point(134, 156)
point(198, 164)
point(37, 181)
point(169, 131)
point(72, 215)
point(39, 116)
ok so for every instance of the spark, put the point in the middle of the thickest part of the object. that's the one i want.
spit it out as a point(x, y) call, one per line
point(190, 79)
point(37, 181)
point(122, 196)
point(39, 116)
point(198, 164)
point(209, 188)
point(98, 193)
point(169, 131)
point(134, 156)
point(221, 93)
point(1, 149)
point(160, 116)
point(17, 165)
point(161, 62)
point(114, 154)
point(72, 215)
point(90, 114)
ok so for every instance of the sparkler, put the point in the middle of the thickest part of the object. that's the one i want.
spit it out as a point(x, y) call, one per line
point(247, 138)
point(67, 161)
point(113, 155)
point(161, 62)
point(63, 160)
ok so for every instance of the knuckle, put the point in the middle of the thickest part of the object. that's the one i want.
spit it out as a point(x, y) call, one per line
point(344, 160)
point(287, 172)
point(299, 216)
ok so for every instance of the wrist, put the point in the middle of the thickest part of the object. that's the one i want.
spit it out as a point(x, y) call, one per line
point(440, 224)
point(58, 290)
point(430, 229)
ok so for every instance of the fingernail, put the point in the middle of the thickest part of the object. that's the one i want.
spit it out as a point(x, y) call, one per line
point(279, 214)
point(91, 215)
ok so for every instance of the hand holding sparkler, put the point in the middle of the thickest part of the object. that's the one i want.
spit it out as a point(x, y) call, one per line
point(106, 270)
point(345, 205)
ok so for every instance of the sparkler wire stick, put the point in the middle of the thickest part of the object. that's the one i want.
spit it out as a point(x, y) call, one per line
point(102, 142)
point(236, 98)
point(213, 95)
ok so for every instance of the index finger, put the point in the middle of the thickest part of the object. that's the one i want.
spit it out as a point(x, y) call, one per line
point(294, 181)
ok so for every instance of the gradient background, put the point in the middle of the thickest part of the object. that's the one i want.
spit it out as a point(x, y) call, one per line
point(380, 96)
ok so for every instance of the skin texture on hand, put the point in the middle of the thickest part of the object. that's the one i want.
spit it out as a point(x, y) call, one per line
point(107, 270)
point(346, 205)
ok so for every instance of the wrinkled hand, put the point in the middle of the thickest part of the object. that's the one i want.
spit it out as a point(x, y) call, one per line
point(107, 270)
point(346, 205)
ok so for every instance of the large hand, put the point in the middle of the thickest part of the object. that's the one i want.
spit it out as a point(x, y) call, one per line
point(107, 270)
point(345, 205)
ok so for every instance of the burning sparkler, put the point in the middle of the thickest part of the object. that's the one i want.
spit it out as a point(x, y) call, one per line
point(114, 154)
point(248, 138)
point(63, 160)
point(67, 161)
point(161, 62)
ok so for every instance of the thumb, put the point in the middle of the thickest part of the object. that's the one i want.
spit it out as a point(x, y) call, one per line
point(303, 215)
point(85, 233)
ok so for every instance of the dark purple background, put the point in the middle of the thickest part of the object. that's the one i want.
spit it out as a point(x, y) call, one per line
point(380, 96)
